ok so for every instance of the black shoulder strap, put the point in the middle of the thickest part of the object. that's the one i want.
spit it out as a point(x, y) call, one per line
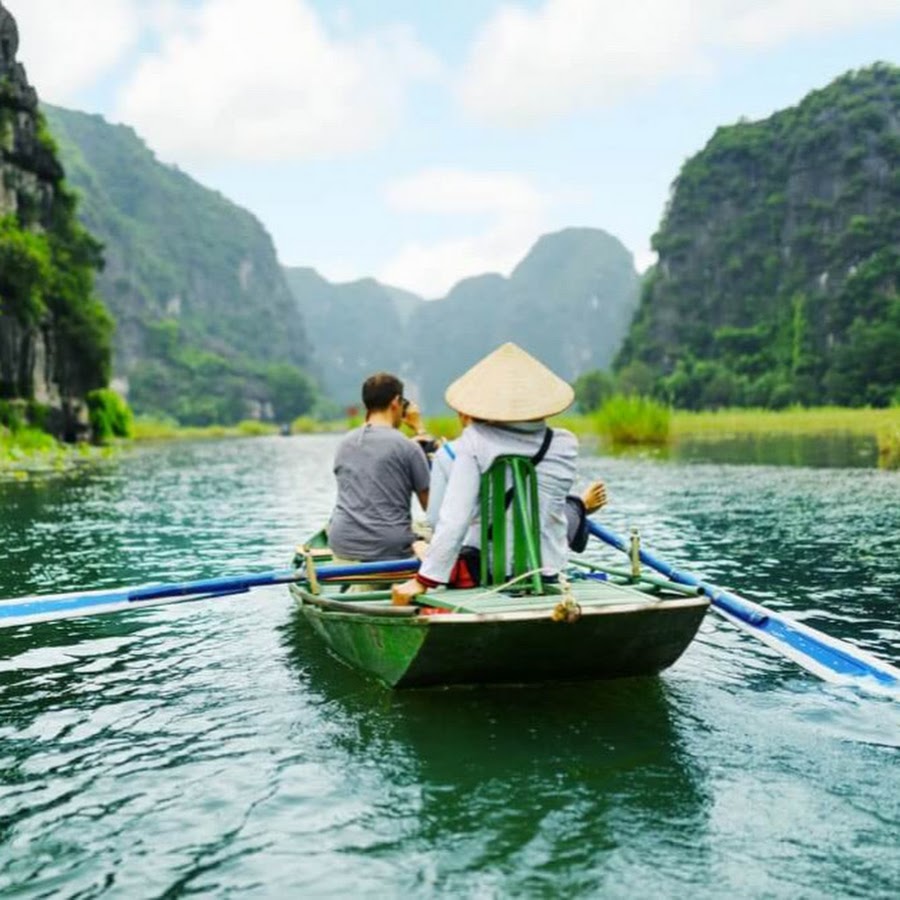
point(542, 450)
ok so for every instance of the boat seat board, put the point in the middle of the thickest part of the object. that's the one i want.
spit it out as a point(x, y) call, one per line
point(586, 594)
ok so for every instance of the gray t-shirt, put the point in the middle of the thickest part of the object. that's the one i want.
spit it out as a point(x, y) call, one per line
point(377, 471)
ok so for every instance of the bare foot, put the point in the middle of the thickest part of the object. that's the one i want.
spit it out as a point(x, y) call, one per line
point(403, 594)
point(594, 496)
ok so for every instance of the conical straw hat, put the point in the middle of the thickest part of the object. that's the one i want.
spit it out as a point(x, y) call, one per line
point(509, 385)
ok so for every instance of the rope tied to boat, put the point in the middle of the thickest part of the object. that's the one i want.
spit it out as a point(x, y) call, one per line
point(568, 609)
point(502, 587)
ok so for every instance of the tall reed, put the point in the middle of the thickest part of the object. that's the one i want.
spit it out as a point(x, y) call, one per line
point(889, 448)
point(630, 419)
point(448, 427)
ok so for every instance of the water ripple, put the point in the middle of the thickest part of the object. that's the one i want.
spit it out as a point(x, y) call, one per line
point(217, 748)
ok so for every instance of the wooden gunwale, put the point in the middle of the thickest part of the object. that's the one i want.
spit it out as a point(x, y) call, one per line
point(356, 612)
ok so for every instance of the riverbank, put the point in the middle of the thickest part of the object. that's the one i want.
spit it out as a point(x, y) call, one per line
point(683, 423)
point(29, 450)
point(165, 430)
point(880, 425)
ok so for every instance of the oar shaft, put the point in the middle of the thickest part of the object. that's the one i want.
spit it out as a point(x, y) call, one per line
point(389, 568)
point(234, 583)
point(819, 653)
point(21, 610)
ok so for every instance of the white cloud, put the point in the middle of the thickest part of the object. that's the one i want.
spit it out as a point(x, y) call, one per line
point(768, 23)
point(461, 191)
point(239, 81)
point(66, 48)
point(515, 212)
point(527, 65)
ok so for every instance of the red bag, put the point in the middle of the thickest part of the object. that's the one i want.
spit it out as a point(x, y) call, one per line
point(466, 571)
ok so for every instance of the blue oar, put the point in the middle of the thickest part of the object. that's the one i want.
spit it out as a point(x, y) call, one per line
point(825, 656)
point(44, 608)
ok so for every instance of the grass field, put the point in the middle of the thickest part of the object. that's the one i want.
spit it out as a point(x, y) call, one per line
point(164, 430)
point(884, 423)
point(817, 420)
point(889, 446)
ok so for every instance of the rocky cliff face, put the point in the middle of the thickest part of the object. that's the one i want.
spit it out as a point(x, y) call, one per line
point(28, 166)
point(54, 333)
point(29, 177)
point(779, 258)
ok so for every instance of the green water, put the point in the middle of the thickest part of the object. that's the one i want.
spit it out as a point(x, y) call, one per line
point(217, 749)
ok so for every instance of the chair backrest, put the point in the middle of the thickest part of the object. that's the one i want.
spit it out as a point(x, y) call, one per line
point(511, 485)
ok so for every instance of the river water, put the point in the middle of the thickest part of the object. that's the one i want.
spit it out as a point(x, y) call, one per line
point(216, 748)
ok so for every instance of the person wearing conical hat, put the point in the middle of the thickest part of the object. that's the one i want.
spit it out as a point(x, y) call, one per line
point(508, 395)
point(578, 507)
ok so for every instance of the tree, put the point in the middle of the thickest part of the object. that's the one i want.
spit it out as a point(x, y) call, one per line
point(291, 391)
point(592, 389)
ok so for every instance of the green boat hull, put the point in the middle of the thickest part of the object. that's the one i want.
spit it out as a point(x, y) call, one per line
point(617, 641)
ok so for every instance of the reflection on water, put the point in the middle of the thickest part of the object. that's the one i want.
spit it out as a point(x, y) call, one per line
point(536, 787)
point(835, 450)
point(218, 748)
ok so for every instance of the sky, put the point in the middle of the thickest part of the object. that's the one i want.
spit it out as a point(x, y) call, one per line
point(422, 142)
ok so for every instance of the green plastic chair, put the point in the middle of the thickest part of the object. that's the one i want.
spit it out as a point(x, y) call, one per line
point(522, 500)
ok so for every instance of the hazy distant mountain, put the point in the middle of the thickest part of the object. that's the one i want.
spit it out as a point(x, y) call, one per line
point(355, 329)
point(569, 302)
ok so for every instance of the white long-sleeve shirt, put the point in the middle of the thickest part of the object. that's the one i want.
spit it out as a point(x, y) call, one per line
point(477, 448)
point(441, 467)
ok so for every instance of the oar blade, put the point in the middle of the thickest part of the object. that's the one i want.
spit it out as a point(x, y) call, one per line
point(827, 657)
point(50, 607)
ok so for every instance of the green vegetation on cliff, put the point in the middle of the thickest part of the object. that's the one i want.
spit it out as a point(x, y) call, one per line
point(779, 260)
point(207, 329)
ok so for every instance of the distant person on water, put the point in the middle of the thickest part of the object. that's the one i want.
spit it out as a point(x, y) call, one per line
point(378, 472)
point(507, 396)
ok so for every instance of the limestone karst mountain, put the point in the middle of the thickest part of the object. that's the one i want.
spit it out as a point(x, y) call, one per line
point(779, 259)
point(207, 328)
point(569, 302)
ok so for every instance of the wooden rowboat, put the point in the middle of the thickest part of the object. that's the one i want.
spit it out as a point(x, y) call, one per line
point(592, 625)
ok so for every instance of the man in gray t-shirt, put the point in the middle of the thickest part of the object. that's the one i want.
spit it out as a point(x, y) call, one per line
point(378, 470)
